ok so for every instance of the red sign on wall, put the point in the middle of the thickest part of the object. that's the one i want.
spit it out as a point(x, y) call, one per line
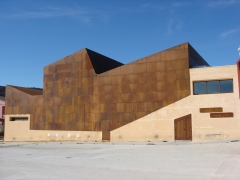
point(238, 71)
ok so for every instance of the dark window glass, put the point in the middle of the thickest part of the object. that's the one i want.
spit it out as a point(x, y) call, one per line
point(226, 86)
point(213, 87)
point(19, 119)
point(200, 87)
point(209, 87)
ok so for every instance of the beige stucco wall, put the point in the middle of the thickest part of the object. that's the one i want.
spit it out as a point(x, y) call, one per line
point(159, 125)
point(20, 131)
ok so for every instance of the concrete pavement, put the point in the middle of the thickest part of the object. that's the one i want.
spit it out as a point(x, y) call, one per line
point(131, 160)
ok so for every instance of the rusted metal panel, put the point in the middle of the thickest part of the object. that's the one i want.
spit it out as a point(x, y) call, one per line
point(139, 87)
point(160, 66)
point(80, 117)
point(152, 66)
point(170, 65)
point(114, 107)
point(182, 74)
point(142, 107)
point(115, 124)
point(127, 117)
point(138, 115)
point(115, 79)
point(171, 95)
point(182, 93)
point(115, 98)
point(152, 86)
point(102, 80)
point(152, 77)
point(152, 95)
point(153, 106)
point(127, 97)
point(151, 58)
point(88, 126)
point(111, 89)
point(114, 72)
point(105, 126)
point(181, 64)
point(183, 84)
point(142, 60)
point(139, 67)
point(127, 69)
point(126, 78)
point(126, 107)
point(126, 88)
point(79, 126)
point(140, 78)
point(140, 97)
point(170, 85)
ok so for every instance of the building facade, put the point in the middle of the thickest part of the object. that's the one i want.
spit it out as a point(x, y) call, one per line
point(170, 95)
point(2, 114)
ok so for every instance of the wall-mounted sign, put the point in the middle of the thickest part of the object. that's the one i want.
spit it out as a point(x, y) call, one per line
point(221, 115)
point(212, 109)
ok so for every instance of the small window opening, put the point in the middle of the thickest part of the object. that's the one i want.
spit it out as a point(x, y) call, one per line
point(19, 119)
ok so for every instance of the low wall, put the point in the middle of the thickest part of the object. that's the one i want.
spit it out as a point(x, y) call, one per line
point(20, 131)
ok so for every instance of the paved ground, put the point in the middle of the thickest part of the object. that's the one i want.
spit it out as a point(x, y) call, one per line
point(162, 160)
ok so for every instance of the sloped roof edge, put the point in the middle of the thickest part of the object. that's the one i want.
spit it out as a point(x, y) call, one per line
point(102, 63)
point(30, 91)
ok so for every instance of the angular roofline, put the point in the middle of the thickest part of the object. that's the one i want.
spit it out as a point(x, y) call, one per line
point(102, 63)
point(30, 91)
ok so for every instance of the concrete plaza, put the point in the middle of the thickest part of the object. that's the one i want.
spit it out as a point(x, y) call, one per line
point(109, 160)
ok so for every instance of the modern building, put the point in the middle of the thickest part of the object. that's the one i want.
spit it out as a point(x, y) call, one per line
point(170, 95)
point(2, 114)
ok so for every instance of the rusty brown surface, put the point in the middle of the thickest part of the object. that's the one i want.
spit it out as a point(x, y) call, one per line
point(183, 128)
point(211, 109)
point(221, 115)
point(75, 97)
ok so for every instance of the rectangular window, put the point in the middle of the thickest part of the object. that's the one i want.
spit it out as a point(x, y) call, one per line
point(19, 119)
point(226, 86)
point(211, 87)
point(200, 87)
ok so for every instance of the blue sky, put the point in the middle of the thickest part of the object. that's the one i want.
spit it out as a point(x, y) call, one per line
point(35, 33)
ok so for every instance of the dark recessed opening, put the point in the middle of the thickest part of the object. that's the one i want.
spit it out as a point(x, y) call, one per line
point(19, 119)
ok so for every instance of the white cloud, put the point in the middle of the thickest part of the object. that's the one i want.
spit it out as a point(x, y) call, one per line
point(170, 26)
point(181, 4)
point(142, 8)
point(51, 12)
point(151, 6)
point(230, 32)
point(222, 3)
point(174, 26)
point(47, 12)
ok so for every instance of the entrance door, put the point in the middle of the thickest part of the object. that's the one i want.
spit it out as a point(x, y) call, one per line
point(183, 128)
point(105, 125)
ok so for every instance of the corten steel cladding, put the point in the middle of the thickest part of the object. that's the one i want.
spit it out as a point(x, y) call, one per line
point(86, 89)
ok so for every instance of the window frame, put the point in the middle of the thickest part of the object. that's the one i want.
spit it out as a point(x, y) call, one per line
point(219, 86)
point(18, 118)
